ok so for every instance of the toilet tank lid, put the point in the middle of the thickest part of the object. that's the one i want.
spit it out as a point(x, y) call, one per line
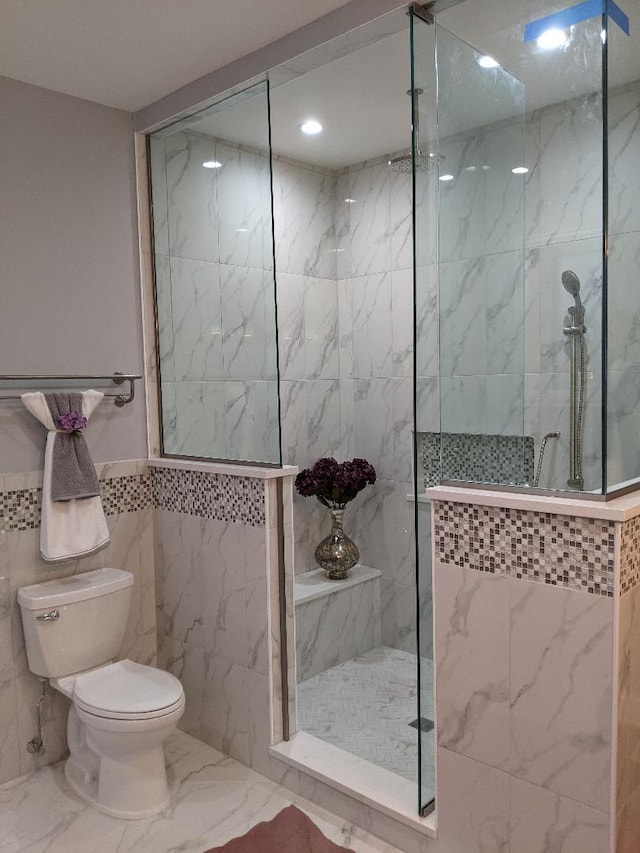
point(76, 588)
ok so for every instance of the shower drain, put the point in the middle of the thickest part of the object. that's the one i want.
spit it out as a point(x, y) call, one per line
point(423, 724)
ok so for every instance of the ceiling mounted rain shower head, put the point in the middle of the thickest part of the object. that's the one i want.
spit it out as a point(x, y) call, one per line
point(424, 162)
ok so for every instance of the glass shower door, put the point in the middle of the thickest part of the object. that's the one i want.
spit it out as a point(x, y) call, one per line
point(469, 176)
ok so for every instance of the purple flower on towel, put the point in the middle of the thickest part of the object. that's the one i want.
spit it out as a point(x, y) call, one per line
point(72, 423)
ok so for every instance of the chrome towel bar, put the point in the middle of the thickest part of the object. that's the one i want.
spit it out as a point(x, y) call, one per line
point(116, 377)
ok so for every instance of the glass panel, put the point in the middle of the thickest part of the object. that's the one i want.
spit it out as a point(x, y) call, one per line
point(564, 217)
point(426, 410)
point(213, 243)
point(481, 269)
point(623, 303)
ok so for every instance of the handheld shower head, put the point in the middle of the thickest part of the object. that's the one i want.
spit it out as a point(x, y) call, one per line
point(571, 283)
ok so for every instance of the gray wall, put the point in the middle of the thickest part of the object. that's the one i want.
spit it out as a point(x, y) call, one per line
point(68, 261)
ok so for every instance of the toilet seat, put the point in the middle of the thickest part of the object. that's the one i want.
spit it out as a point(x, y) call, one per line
point(128, 691)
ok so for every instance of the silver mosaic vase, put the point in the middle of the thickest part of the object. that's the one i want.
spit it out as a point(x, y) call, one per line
point(337, 554)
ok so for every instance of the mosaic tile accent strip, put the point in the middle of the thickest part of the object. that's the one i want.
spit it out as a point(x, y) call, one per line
point(476, 458)
point(218, 496)
point(629, 555)
point(20, 508)
point(560, 550)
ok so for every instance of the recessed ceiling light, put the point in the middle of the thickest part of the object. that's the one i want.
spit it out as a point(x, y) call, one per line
point(211, 164)
point(487, 62)
point(311, 127)
point(350, 201)
point(520, 170)
point(446, 178)
point(241, 230)
point(470, 169)
point(552, 39)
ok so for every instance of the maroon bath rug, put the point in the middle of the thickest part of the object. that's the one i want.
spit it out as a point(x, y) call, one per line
point(290, 831)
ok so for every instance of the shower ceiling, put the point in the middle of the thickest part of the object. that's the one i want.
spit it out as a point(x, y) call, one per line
point(361, 98)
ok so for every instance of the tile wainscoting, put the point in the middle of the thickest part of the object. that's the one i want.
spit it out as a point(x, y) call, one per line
point(537, 654)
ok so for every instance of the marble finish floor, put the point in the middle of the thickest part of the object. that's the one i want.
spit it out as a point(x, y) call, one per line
point(214, 799)
point(365, 705)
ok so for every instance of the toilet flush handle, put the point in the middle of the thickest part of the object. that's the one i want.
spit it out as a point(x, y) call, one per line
point(49, 616)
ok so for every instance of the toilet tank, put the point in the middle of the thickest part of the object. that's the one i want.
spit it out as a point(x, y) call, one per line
point(75, 623)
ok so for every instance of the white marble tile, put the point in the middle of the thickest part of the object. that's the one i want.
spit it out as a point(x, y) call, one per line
point(191, 197)
point(369, 221)
point(624, 152)
point(321, 329)
point(201, 424)
point(624, 334)
point(427, 321)
point(472, 663)
point(627, 683)
point(226, 708)
point(571, 170)
point(304, 220)
point(187, 664)
point(398, 616)
point(323, 417)
point(428, 405)
point(224, 605)
point(244, 208)
point(214, 799)
point(534, 204)
point(164, 313)
point(179, 553)
point(505, 404)
point(504, 306)
point(370, 522)
point(402, 430)
point(400, 206)
point(542, 822)
point(196, 314)
point(462, 202)
point(463, 403)
point(291, 291)
point(623, 400)
point(251, 421)
point(345, 327)
point(561, 682)
point(505, 191)
point(158, 177)
point(347, 419)
point(169, 406)
point(374, 436)
point(463, 320)
point(473, 805)
point(371, 303)
point(402, 318)
point(293, 403)
point(248, 323)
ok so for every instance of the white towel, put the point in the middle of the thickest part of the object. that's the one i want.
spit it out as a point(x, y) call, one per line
point(73, 528)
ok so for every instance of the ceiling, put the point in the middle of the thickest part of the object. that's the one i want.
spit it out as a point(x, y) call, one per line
point(129, 53)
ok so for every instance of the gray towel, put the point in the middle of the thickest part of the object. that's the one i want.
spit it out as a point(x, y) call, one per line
point(73, 474)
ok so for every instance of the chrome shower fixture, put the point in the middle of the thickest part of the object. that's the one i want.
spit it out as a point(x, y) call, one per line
point(403, 163)
point(578, 366)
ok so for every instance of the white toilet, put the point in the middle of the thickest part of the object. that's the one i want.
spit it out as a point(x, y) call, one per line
point(122, 712)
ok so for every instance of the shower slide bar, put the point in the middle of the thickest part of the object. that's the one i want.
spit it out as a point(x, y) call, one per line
point(116, 377)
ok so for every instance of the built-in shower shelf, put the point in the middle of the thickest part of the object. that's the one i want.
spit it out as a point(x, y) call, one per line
point(315, 584)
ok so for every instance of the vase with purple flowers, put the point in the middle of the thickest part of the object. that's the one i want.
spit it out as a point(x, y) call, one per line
point(334, 484)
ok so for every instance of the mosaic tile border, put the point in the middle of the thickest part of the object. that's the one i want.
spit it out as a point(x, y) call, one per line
point(476, 457)
point(629, 555)
point(559, 550)
point(218, 496)
point(20, 508)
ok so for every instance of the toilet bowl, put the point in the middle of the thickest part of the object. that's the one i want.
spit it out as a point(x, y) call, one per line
point(122, 712)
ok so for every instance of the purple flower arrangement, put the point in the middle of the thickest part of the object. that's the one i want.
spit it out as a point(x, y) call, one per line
point(72, 423)
point(335, 483)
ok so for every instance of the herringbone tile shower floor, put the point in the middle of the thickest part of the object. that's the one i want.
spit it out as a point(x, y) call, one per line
point(365, 705)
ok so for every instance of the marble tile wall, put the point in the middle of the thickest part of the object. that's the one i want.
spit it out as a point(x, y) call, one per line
point(345, 302)
point(215, 630)
point(524, 686)
point(341, 625)
point(216, 307)
point(127, 499)
point(627, 793)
